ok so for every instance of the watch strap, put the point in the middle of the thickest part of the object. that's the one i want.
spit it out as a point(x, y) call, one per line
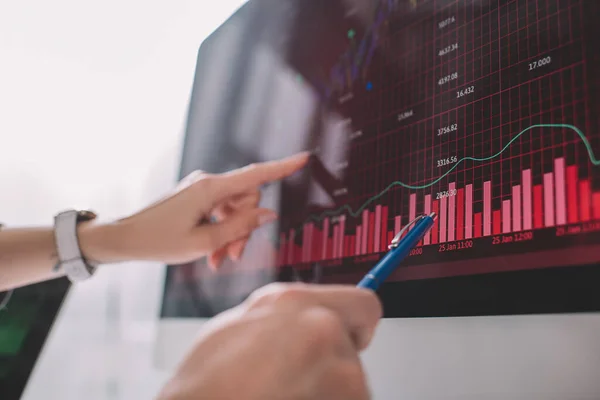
point(70, 259)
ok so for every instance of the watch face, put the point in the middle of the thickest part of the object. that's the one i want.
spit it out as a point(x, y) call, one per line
point(85, 215)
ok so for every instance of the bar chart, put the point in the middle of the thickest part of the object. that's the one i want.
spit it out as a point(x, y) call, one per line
point(561, 199)
point(488, 122)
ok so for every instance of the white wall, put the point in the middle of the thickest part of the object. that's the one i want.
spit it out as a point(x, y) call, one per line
point(93, 97)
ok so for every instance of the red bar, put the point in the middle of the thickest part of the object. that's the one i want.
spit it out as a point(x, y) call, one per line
point(443, 219)
point(352, 249)
point(560, 183)
point(436, 225)
point(315, 244)
point(585, 196)
point(371, 230)
point(527, 205)
point(487, 208)
point(298, 251)
point(412, 208)
point(469, 212)
point(324, 246)
point(538, 207)
point(427, 210)
point(596, 205)
point(497, 222)
point(384, 226)
point(478, 224)
point(335, 238)
point(291, 245)
point(329, 248)
point(549, 200)
point(304, 242)
point(311, 231)
point(572, 204)
point(397, 224)
point(377, 230)
point(281, 252)
point(506, 217)
point(310, 241)
point(342, 235)
point(365, 232)
point(390, 236)
point(349, 240)
point(451, 213)
point(319, 253)
point(357, 248)
point(335, 241)
point(460, 214)
point(516, 210)
point(346, 246)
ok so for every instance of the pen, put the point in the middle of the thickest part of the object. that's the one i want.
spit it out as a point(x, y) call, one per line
point(399, 249)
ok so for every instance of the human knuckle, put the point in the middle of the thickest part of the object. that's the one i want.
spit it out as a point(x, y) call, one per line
point(322, 326)
point(252, 167)
point(204, 182)
point(249, 225)
point(197, 174)
point(276, 293)
point(371, 303)
point(210, 242)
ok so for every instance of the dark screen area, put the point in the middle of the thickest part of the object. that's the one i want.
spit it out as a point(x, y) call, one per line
point(24, 327)
point(483, 111)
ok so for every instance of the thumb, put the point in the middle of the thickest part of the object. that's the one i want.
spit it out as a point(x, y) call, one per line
point(235, 227)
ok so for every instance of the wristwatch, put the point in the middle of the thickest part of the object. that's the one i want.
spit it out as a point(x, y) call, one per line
point(70, 260)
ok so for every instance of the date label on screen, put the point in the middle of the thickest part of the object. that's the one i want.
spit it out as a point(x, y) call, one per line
point(456, 246)
point(512, 238)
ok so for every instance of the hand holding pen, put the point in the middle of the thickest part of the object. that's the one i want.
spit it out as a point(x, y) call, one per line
point(399, 249)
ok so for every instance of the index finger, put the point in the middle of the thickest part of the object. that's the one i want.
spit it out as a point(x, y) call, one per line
point(359, 309)
point(253, 176)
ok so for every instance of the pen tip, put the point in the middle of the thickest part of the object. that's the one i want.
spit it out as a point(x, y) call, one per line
point(433, 215)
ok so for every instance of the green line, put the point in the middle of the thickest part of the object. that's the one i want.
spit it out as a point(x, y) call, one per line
point(356, 213)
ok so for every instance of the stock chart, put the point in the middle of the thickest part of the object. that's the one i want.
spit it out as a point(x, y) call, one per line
point(482, 111)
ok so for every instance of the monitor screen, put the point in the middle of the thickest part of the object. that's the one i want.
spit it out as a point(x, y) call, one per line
point(25, 322)
point(482, 111)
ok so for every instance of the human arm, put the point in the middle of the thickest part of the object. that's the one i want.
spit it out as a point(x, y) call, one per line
point(295, 342)
point(173, 230)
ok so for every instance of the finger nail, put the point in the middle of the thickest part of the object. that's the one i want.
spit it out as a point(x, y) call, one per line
point(267, 218)
point(301, 156)
point(238, 255)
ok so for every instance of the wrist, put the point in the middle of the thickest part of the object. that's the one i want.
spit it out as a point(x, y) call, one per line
point(103, 243)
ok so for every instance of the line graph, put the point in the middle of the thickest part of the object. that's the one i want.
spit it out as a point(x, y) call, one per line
point(346, 208)
point(481, 112)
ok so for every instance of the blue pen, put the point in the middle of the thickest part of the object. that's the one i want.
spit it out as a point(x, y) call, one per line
point(399, 249)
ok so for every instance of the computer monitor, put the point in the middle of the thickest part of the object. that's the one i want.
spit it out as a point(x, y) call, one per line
point(26, 319)
point(483, 111)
